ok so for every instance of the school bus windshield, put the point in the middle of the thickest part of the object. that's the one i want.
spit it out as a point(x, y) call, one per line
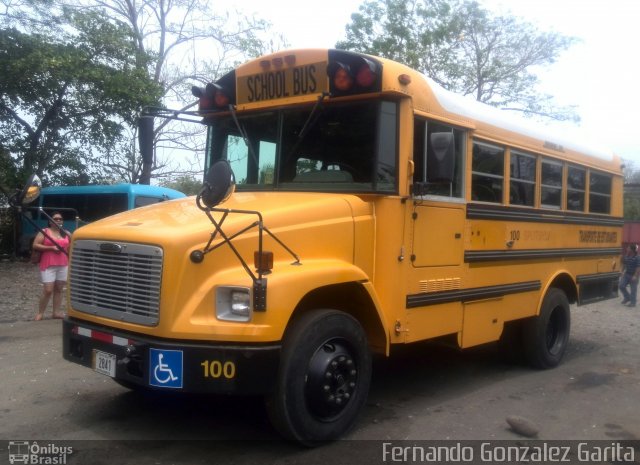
point(326, 147)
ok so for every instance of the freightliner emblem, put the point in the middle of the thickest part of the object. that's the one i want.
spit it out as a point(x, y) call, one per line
point(110, 247)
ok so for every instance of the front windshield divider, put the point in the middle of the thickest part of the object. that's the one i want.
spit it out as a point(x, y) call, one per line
point(309, 123)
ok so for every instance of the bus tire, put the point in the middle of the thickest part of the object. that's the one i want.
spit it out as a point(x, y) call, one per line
point(546, 336)
point(323, 379)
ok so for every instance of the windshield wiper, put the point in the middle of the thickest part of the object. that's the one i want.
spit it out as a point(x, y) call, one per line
point(243, 134)
point(308, 124)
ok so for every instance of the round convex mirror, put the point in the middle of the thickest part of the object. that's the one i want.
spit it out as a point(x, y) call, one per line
point(219, 184)
point(31, 190)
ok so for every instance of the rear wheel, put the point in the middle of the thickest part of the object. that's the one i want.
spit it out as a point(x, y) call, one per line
point(546, 336)
point(324, 377)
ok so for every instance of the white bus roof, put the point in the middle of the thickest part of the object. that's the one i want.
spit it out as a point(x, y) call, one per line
point(566, 137)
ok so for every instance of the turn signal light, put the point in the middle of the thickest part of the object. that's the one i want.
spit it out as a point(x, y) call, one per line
point(263, 262)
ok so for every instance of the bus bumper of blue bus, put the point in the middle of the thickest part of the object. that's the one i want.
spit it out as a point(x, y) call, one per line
point(136, 360)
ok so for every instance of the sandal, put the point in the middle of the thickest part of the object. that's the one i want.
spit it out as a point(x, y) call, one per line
point(58, 316)
point(38, 317)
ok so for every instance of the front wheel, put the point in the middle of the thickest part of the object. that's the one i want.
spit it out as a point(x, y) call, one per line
point(324, 377)
point(546, 336)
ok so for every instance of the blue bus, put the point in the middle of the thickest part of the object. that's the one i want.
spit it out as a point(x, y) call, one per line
point(80, 205)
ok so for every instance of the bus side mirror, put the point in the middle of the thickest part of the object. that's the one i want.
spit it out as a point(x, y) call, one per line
point(219, 184)
point(441, 157)
point(30, 191)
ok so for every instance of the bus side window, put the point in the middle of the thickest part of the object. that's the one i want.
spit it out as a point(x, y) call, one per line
point(142, 200)
point(425, 132)
point(551, 184)
point(599, 193)
point(523, 179)
point(487, 177)
point(576, 185)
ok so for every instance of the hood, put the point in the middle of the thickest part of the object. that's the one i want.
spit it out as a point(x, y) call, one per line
point(180, 224)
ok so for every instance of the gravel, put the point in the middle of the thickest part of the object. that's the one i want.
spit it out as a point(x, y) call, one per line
point(20, 290)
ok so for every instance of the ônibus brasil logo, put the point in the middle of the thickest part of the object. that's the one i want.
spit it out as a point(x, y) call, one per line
point(30, 452)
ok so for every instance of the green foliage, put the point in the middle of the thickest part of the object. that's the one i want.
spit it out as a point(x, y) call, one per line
point(630, 172)
point(187, 184)
point(7, 222)
point(464, 48)
point(68, 95)
point(267, 174)
point(190, 41)
point(632, 186)
point(631, 208)
point(78, 72)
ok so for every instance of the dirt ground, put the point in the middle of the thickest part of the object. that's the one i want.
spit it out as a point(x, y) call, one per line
point(20, 290)
point(421, 392)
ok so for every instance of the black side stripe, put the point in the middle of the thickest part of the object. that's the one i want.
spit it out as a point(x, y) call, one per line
point(471, 256)
point(465, 295)
point(589, 278)
point(501, 213)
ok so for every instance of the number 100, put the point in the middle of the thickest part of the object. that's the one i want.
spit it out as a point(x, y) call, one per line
point(218, 369)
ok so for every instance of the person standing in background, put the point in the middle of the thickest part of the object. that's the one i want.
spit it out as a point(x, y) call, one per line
point(630, 272)
point(54, 264)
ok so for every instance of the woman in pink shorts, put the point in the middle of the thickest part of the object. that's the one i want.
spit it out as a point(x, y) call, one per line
point(54, 265)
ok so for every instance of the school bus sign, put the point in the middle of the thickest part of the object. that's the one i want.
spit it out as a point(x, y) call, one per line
point(283, 83)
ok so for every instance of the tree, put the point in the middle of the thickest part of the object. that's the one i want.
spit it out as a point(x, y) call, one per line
point(631, 185)
point(630, 172)
point(185, 183)
point(631, 208)
point(190, 42)
point(67, 93)
point(464, 48)
point(170, 45)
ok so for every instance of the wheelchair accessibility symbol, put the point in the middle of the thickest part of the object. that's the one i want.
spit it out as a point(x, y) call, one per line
point(166, 368)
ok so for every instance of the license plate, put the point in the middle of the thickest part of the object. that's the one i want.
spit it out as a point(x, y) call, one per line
point(104, 363)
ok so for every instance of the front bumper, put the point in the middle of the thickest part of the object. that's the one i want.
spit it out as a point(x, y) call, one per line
point(187, 366)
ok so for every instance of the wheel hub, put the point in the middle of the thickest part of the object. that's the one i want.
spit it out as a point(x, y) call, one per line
point(331, 379)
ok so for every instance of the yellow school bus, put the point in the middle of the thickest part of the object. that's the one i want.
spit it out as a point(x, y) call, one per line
point(349, 205)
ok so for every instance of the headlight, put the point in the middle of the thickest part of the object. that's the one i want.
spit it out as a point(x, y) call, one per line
point(233, 303)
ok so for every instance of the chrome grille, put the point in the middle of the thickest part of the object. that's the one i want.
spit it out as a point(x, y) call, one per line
point(119, 280)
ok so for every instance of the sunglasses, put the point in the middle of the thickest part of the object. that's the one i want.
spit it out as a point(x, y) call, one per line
point(57, 219)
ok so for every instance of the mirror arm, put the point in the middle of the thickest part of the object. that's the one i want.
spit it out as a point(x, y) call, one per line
point(227, 240)
point(259, 282)
point(284, 246)
point(36, 226)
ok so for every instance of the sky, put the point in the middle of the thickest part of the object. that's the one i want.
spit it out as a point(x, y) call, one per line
point(599, 75)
